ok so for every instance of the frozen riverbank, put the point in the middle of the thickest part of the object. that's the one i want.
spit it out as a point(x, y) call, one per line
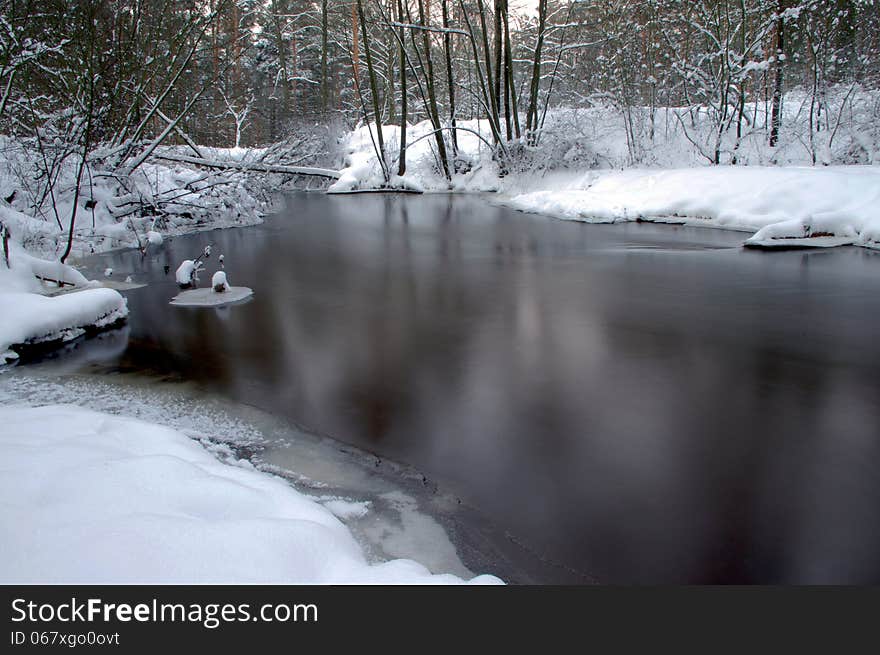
point(798, 206)
point(578, 177)
point(96, 498)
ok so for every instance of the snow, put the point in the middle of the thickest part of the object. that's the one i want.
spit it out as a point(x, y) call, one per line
point(219, 284)
point(585, 169)
point(187, 272)
point(94, 498)
point(346, 509)
point(316, 466)
point(113, 213)
point(210, 298)
point(825, 206)
point(31, 318)
point(127, 285)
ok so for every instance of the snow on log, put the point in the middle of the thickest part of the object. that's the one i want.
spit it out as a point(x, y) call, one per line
point(29, 318)
point(249, 166)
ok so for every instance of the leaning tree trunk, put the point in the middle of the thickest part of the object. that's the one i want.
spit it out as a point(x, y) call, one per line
point(485, 83)
point(432, 93)
point(374, 90)
point(532, 111)
point(492, 107)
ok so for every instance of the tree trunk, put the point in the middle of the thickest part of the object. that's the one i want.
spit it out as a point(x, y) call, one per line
point(401, 162)
point(776, 106)
point(492, 109)
point(324, 45)
point(432, 93)
point(282, 60)
point(532, 111)
point(510, 102)
point(374, 90)
point(499, 4)
point(447, 43)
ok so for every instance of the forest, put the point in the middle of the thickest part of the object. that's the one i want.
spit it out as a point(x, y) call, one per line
point(113, 79)
point(96, 92)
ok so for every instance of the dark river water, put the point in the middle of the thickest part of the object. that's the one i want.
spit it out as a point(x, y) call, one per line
point(630, 403)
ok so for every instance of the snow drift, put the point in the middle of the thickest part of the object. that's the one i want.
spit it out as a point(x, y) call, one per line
point(31, 318)
point(93, 498)
point(801, 206)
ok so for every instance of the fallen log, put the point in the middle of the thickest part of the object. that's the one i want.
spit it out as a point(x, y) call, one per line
point(382, 190)
point(249, 166)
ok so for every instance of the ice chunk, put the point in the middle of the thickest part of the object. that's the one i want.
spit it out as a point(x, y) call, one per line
point(210, 298)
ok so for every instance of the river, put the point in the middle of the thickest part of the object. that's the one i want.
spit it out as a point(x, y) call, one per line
point(626, 403)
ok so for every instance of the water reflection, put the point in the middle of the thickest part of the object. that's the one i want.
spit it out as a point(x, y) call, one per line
point(636, 403)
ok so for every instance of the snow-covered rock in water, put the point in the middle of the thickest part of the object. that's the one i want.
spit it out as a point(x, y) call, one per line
point(90, 498)
point(219, 283)
point(154, 238)
point(186, 272)
point(108, 272)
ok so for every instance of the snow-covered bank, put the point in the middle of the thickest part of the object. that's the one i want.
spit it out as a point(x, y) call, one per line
point(575, 173)
point(93, 498)
point(29, 318)
point(115, 211)
point(801, 206)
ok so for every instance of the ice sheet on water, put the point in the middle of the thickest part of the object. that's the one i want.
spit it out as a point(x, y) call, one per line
point(211, 298)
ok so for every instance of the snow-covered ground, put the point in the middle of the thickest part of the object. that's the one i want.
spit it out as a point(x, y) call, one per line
point(584, 170)
point(783, 206)
point(93, 498)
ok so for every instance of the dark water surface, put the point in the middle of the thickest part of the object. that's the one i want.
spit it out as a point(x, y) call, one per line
point(632, 403)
